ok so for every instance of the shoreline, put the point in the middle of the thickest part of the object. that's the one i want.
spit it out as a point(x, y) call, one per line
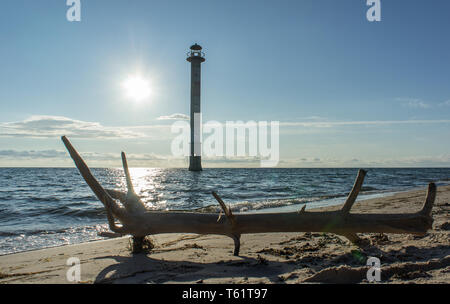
point(310, 206)
point(265, 257)
point(326, 202)
point(38, 216)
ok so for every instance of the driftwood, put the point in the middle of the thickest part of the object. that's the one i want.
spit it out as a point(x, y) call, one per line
point(139, 222)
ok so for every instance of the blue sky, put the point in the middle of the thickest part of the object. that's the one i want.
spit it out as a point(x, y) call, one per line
point(347, 92)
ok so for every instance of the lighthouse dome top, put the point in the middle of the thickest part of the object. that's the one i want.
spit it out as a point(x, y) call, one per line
point(195, 53)
point(196, 47)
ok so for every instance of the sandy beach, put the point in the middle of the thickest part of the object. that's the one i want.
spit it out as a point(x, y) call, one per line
point(264, 258)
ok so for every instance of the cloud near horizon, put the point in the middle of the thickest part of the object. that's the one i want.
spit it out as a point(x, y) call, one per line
point(42, 126)
point(134, 138)
point(32, 154)
point(175, 116)
point(47, 126)
point(445, 103)
point(413, 103)
point(95, 159)
point(330, 124)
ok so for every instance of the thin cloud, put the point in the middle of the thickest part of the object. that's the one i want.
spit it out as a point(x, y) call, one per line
point(330, 124)
point(32, 154)
point(175, 116)
point(88, 156)
point(112, 159)
point(413, 103)
point(54, 126)
point(413, 161)
point(314, 117)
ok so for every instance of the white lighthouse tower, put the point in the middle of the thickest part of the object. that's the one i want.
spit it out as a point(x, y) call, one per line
point(195, 57)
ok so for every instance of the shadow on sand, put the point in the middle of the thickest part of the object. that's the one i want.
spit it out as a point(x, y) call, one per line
point(142, 268)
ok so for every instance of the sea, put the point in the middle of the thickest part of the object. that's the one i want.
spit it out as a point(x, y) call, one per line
point(47, 207)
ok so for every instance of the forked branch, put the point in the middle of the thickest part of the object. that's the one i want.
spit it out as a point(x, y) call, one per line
point(355, 191)
point(236, 236)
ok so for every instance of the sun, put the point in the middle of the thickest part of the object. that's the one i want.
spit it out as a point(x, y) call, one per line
point(137, 88)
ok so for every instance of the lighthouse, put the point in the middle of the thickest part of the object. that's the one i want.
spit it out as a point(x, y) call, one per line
point(195, 57)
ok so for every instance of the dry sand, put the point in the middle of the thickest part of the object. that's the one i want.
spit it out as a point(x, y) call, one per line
point(265, 258)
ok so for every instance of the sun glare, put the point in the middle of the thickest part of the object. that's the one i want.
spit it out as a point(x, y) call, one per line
point(137, 88)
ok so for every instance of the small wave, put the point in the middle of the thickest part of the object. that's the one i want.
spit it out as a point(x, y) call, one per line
point(72, 212)
point(91, 213)
point(66, 211)
point(55, 210)
point(20, 241)
point(69, 230)
point(86, 198)
point(368, 188)
point(8, 214)
point(7, 233)
point(251, 195)
point(6, 198)
point(44, 199)
point(27, 233)
point(252, 206)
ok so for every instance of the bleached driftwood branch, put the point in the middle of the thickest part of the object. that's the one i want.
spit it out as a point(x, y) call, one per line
point(136, 220)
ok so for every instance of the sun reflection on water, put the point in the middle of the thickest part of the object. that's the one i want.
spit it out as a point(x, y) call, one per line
point(147, 184)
